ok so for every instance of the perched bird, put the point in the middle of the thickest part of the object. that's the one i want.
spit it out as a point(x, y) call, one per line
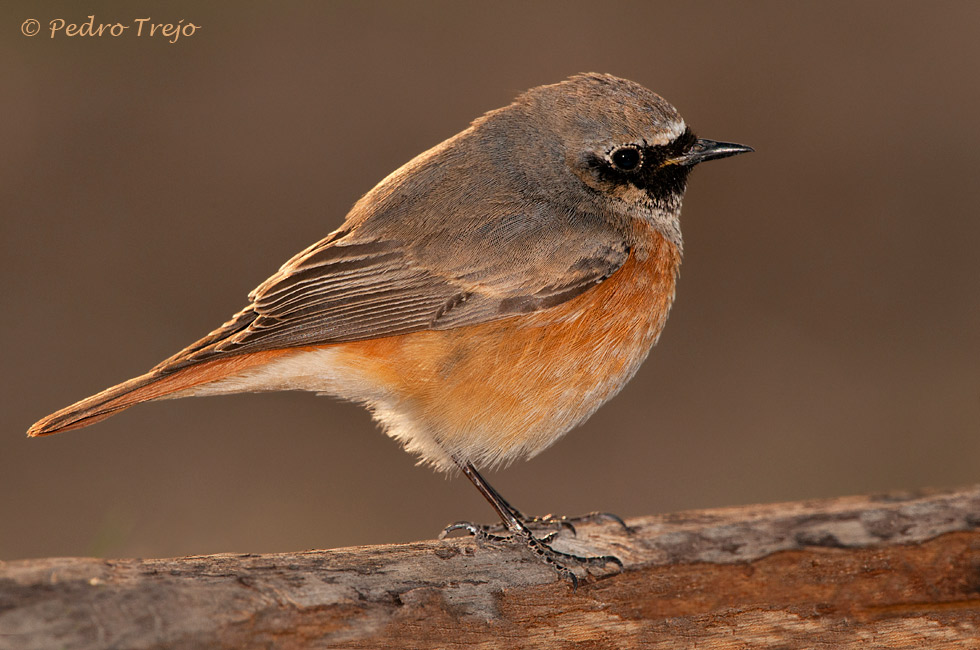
point(481, 300)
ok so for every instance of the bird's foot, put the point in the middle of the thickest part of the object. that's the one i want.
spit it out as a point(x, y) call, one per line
point(570, 522)
point(540, 546)
point(561, 522)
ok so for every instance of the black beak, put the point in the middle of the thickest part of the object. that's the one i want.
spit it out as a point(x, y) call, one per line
point(709, 150)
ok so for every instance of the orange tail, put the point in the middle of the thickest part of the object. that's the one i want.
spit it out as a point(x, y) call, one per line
point(155, 384)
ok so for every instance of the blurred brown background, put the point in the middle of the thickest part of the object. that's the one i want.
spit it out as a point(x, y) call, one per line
point(825, 341)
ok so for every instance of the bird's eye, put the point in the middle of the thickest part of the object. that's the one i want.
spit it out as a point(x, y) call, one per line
point(626, 158)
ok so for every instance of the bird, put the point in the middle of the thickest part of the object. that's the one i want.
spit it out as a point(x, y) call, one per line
point(481, 300)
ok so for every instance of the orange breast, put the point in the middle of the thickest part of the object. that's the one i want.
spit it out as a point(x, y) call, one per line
point(494, 392)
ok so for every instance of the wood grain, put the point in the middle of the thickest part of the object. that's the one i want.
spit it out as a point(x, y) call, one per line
point(892, 571)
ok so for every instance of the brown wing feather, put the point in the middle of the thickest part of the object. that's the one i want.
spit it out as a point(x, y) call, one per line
point(347, 292)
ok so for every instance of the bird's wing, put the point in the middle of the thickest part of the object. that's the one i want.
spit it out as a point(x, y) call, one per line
point(381, 278)
point(377, 281)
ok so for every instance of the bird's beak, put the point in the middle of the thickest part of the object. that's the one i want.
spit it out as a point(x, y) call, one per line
point(708, 150)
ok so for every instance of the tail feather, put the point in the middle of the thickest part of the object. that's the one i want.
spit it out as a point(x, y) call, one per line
point(156, 384)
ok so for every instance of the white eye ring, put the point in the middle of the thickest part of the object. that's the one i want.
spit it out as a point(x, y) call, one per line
point(627, 157)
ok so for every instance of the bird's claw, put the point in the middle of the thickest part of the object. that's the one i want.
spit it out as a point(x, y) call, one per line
point(480, 532)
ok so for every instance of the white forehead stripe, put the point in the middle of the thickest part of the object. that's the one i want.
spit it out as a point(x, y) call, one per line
point(675, 129)
point(670, 131)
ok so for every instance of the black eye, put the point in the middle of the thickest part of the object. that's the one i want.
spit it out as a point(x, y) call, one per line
point(626, 158)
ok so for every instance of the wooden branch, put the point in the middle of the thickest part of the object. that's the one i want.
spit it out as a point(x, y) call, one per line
point(896, 571)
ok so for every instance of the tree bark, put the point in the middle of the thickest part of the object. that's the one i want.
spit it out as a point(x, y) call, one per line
point(894, 571)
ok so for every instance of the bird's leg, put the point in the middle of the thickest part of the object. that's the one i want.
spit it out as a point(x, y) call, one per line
point(512, 520)
point(547, 520)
